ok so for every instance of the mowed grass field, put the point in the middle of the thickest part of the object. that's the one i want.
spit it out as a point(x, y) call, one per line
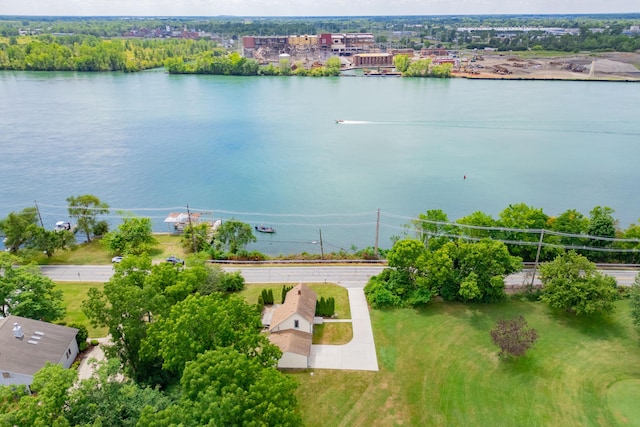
point(94, 253)
point(74, 293)
point(438, 367)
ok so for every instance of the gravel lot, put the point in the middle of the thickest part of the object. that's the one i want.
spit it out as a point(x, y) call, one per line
point(607, 66)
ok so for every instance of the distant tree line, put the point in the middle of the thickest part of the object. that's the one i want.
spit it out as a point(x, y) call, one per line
point(421, 67)
point(233, 64)
point(609, 40)
point(88, 53)
point(530, 233)
point(399, 31)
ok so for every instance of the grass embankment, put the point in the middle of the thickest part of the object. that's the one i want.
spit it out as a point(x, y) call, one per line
point(93, 253)
point(328, 333)
point(438, 366)
point(74, 293)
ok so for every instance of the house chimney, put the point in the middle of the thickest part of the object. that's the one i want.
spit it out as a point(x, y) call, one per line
point(17, 331)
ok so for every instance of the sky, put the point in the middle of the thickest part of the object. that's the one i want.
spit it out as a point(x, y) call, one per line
point(310, 8)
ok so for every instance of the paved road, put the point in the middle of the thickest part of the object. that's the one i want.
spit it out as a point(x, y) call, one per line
point(286, 274)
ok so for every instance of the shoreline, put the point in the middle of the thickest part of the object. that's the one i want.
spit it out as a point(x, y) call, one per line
point(545, 78)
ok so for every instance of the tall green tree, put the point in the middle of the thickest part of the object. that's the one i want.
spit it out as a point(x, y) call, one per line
point(196, 238)
point(134, 236)
point(522, 216)
point(476, 219)
point(234, 235)
point(476, 270)
point(571, 282)
point(570, 222)
point(601, 224)
point(634, 300)
point(110, 399)
point(457, 271)
point(419, 68)
point(25, 292)
point(139, 295)
point(401, 62)
point(632, 232)
point(46, 406)
point(431, 228)
point(85, 209)
point(48, 241)
point(225, 387)
point(334, 64)
point(15, 228)
point(125, 306)
point(201, 323)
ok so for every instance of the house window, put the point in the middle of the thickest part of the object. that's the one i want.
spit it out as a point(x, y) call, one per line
point(296, 324)
point(6, 375)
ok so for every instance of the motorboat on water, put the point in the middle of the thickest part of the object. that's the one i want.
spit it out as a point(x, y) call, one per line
point(62, 226)
point(339, 121)
point(264, 229)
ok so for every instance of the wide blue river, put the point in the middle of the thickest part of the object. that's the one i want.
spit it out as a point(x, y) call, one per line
point(268, 149)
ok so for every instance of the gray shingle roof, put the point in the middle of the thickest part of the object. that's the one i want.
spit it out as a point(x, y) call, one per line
point(41, 342)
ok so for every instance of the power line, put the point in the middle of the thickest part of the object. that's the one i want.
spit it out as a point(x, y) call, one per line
point(515, 230)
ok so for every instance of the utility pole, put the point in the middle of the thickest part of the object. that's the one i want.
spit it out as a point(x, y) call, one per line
point(39, 216)
point(193, 234)
point(535, 265)
point(321, 247)
point(375, 250)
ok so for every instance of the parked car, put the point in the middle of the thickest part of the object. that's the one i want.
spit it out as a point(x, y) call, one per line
point(174, 260)
point(116, 259)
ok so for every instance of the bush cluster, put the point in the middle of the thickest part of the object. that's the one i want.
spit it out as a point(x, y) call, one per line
point(325, 307)
point(266, 297)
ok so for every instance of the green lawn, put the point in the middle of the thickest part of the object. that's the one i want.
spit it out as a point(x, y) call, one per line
point(438, 366)
point(94, 253)
point(74, 293)
point(332, 333)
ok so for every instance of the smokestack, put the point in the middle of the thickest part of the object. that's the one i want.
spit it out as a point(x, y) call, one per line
point(17, 331)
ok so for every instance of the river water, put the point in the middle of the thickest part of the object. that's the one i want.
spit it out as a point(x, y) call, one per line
point(268, 150)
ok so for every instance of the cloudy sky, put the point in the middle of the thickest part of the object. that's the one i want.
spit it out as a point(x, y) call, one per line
point(309, 8)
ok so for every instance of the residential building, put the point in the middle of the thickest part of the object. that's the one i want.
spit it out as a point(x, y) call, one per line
point(26, 345)
point(291, 327)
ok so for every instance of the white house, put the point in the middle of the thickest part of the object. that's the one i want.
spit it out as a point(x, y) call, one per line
point(295, 347)
point(291, 327)
point(297, 312)
point(27, 344)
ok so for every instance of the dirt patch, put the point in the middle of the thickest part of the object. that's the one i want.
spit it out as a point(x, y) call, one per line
point(609, 66)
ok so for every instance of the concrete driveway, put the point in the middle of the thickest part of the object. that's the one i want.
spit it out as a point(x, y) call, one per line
point(360, 353)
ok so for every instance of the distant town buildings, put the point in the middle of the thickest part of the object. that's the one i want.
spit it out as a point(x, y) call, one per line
point(260, 47)
point(360, 46)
